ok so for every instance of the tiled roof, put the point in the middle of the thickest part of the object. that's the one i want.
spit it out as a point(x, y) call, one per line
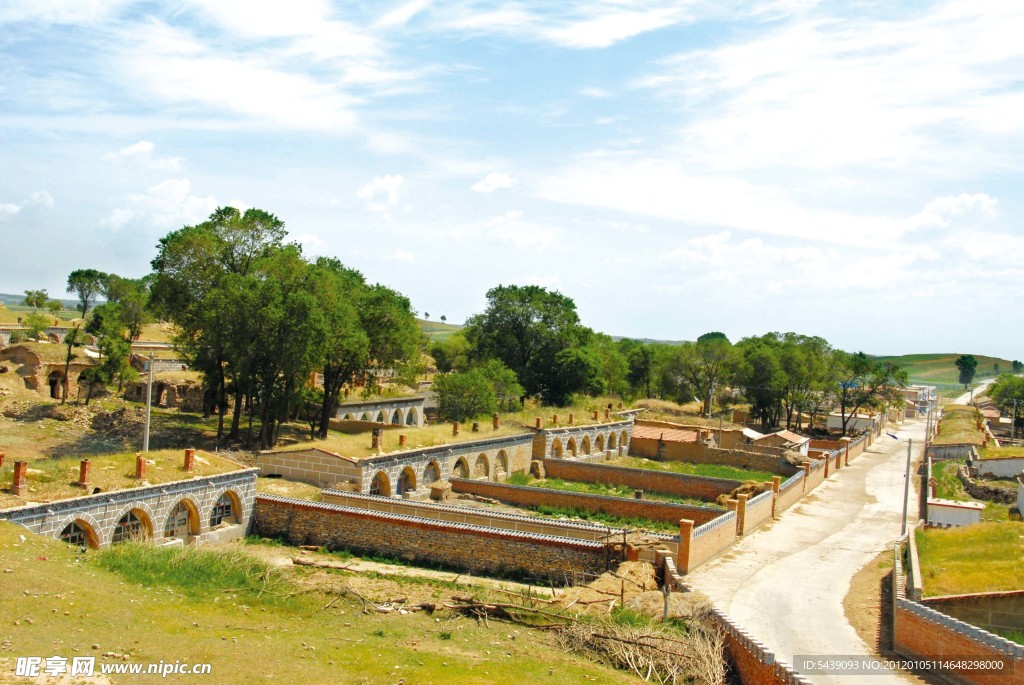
point(666, 434)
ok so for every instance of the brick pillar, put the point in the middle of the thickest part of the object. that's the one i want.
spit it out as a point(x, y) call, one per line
point(807, 473)
point(741, 514)
point(839, 461)
point(685, 538)
point(84, 473)
point(140, 467)
point(620, 405)
point(538, 422)
point(190, 459)
point(572, 418)
point(2, 457)
point(19, 485)
point(827, 457)
point(455, 428)
point(595, 415)
point(846, 442)
point(401, 441)
point(476, 427)
point(554, 420)
point(776, 485)
point(495, 421)
point(607, 413)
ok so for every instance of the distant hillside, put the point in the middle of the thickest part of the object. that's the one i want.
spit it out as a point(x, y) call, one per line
point(940, 369)
point(11, 308)
point(435, 330)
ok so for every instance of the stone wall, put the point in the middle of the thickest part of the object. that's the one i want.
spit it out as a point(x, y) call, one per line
point(457, 545)
point(314, 466)
point(578, 440)
point(673, 450)
point(522, 495)
point(99, 513)
point(999, 468)
point(642, 479)
point(399, 411)
point(745, 459)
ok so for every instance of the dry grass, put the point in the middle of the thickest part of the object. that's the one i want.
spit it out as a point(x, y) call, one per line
point(689, 414)
point(986, 557)
point(50, 480)
point(582, 411)
point(288, 488)
point(358, 446)
point(1008, 452)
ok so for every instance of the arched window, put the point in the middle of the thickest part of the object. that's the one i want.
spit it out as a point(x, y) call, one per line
point(406, 480)
point(461, 469)
point(585, 445)
point(501, 465)
point(410, 417)
point(481, 468)
point(181, 522)
point(380, 485)
point(79, 534)
point(396, 420)
point(556, 449)
point(223, 511)
point(131, 526)
point(570, 447)
point(431, 473)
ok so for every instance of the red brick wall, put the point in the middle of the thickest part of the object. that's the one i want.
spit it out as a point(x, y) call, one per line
point(757, 513)
point(642, 479)
point(678, 451)
point(615, 506)
point(710, 544)
point(917, 636)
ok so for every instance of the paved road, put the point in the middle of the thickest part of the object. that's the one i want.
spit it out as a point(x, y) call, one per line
point(786, 583)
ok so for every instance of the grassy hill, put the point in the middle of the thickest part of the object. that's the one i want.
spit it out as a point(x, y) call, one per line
point(940, 369)
point(436, 331)
point(11, 308)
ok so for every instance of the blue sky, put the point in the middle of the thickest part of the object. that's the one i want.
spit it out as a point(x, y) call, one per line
point(850, 170)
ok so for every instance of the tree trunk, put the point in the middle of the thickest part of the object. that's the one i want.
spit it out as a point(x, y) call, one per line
point(236, 416)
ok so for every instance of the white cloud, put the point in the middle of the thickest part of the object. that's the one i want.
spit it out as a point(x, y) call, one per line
point(402, 256)
point(142, 153)
point(60, 11)
point(493, 181)
point(386, 187)
point(401, 15)
point(592, 92)
point(942, 211)
point(511, 228)
point(41, 198)
point(7, 210)
point(167, 205)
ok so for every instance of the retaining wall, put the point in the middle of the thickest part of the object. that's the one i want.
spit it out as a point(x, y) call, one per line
point(1000, 468)
point(815, 475)
point(99, 514)
point(642, 479)
point(315, 466)
point(463, 546)
point(993, 611)
point(523, 495)
point(748, 459)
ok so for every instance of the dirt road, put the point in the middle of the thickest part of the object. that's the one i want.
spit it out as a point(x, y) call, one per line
point(786, 583)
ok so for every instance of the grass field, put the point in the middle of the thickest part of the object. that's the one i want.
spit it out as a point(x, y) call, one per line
point(987, 557)
point(255, 622)
point(706, 470)
point(606, 489)
point(437, 331)
point(948, 486)
point(940, 369)
point(959, 426)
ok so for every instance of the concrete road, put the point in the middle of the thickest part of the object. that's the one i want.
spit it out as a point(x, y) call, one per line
point(786, 582)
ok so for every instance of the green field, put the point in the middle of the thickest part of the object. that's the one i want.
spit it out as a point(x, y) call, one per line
point(437, 331)
point(987, 557)
point(940, 369)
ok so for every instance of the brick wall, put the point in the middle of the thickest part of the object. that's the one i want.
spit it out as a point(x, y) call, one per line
point(459, 545)
point(993, 611)
point(922, 632)
point(758, 510)
point(479, 517)
point(815, 475)
point(698, 544)
point(747, 459)
point(642, 479)
point(652, 448)
point(790, 492)
point(616, 506)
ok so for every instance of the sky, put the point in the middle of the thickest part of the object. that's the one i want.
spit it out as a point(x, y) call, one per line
point(844, 169)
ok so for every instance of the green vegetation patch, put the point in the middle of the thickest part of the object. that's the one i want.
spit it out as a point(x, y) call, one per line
point(1008, 452)
point(688, 469)
point(948, 486)
point(609, 520)
point(960, 426)
point(610, 490)
point(987, 557)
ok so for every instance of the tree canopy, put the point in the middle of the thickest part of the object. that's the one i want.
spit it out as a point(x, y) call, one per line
point(968, 366)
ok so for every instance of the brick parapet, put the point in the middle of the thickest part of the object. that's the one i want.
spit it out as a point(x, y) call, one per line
point(668, 483)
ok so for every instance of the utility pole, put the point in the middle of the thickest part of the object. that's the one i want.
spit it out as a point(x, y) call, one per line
point(906, 489)
point(149, 402)
point(1013, 423)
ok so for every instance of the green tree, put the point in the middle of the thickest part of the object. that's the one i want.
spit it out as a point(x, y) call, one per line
point(36, 299)
point(760, 374)
point(504, 383)
point(863, 382)
point(390, 325)
point(463, 396)
point(86, 284)
point(452, 353)
point(36, 324)
point(640, 360)
point(1008, 393)
point(701, 368)
point(55, 307)
point(526, 327)
point(73, 339)
point(131, 298)
point(1018, 366)
point(968, 366)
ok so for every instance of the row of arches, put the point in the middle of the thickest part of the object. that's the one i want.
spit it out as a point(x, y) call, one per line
point(408, 480)
point(136, 522)
point(572, 449)
point(394, 417)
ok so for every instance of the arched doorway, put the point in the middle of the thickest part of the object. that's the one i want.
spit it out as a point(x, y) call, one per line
point(556, 449)
point(411, 417)
point(481, 468)
point(431, 473)
point(501, 466)
point(396, 420)
point(56, 381)
point(461, 469)
point(585, 445)
point(406, 480)
point(599, 443)
point(624, 441)
point(225, 510)
point(380, 485)
point(380, 417)
point(183, 521)
point(570, 447)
